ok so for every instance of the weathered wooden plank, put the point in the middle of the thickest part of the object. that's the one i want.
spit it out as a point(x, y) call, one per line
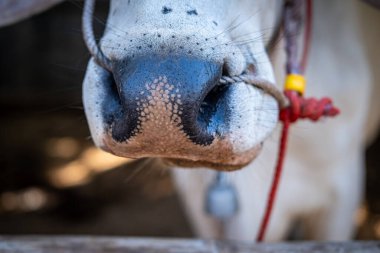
point(88, 244)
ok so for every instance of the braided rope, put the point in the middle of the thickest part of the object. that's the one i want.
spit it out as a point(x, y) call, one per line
point(89, 37)
point(260, 83)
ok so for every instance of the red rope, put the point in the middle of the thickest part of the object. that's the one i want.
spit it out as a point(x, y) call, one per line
point(299, 108)
point(306, 108)
point(275, 182)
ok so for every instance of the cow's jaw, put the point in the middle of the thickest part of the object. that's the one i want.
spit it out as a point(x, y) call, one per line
point(163, 98)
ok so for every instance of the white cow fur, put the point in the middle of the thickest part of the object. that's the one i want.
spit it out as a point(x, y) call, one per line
point(323, 175)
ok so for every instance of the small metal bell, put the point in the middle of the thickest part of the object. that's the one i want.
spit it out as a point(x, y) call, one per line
point(221, 198)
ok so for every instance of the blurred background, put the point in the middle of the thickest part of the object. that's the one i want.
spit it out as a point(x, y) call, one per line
point(52, 179)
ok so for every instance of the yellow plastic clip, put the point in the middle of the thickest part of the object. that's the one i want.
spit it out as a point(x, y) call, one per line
point(295, 82)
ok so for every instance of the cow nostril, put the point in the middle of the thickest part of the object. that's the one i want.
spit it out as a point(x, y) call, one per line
point(112, 83)
point(113, 101)
point(113, 87)
point(225, 71)
point(207, 116)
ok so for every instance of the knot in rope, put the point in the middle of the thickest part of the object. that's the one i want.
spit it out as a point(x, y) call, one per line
point(306, 108)
point(297, 108)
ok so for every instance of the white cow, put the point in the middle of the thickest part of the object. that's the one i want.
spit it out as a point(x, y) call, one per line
point(163, 100)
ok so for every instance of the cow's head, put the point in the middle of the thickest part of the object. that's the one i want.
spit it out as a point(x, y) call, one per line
point(163, 97)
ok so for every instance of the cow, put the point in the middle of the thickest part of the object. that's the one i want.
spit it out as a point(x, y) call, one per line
point(160, 96)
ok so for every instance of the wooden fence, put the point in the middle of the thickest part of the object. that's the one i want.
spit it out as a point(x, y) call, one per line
point(88, 244)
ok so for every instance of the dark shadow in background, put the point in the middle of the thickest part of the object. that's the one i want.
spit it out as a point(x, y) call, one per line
point(43, 127)
point(42, 63)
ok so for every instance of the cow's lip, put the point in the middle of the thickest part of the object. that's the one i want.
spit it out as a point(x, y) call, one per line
point(183, 163)
point(230, 161)
point(236, 164)
point(220, 166)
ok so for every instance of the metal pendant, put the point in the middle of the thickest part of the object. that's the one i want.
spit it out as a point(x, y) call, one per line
point(221, 198)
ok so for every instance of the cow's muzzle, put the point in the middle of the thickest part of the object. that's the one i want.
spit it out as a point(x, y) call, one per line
point(167, 93)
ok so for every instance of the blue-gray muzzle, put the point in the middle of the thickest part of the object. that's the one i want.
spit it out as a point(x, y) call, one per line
point(186, 88)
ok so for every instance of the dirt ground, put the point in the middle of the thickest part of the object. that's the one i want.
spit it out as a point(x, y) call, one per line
point(52, 179)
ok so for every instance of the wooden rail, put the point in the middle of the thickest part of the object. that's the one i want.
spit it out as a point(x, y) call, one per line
point(88, 244)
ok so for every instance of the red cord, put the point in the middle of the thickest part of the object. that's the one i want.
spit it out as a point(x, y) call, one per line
point(306, 108)
point(275, 182)
point(299, 108)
